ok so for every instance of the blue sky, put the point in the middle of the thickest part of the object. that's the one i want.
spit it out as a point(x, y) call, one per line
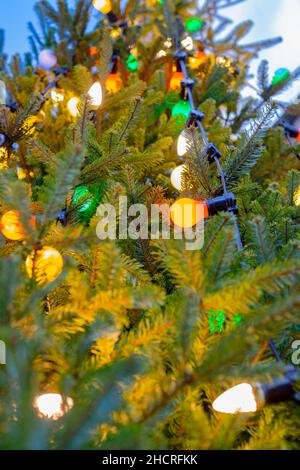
point(271, 18)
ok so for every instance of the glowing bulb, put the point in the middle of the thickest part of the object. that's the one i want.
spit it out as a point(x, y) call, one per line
point(95, 94)
point(176, 176)
point(198, 59)
point(188, 43)
point(186, 212)
point(57, 97)
point(113, 83)
point(298, 136)
point(3, 158)
point(168, 43)
point(238, 399)
point(2, 92)
point(11, 226)
point(104, 6)
point(176, 80)
point(53, 405)
point(182, 144)
point(161, 54)
point(115, 33)
point(73, 106)
point(44, 264)
point(297, 196)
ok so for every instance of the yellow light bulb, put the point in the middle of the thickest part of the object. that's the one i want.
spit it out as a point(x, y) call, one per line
point(186, 212)
point(115, 33)
point(297, 197)
point(3, 158)
point(57, 97)
point(53, 405)
point(44, 264)
point(73, 106)
point(95, 95)
point(104, 6)
point(182, 144)
point(238, 399)
point(176, 176)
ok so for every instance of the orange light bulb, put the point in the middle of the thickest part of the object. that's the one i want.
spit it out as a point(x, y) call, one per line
point(11, 226)
point(197, 60)
point(298, 136)
point(175, 83)
point(113, 83)
point(187, 212)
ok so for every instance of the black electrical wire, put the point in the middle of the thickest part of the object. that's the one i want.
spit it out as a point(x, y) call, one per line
point(187, 85)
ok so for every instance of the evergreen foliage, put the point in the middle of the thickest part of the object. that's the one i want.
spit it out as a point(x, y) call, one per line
point(126, 330)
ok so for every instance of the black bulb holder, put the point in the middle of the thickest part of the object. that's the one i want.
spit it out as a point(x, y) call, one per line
point(225, 203)
point(280, 390)
point(62, 217)
point(112, 17)
point(61, 71)
point(188, 83)
point(290, 130)
point(181, 56)
point(212, 152)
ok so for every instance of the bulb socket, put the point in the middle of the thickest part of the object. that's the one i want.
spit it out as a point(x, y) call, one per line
point(279, 390)
point(112, 17)
point(292, 131)
point(221, 203)
point(212, 152)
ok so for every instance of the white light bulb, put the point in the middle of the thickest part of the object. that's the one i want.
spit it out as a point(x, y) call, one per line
point(176, 176)
point(53, 405)
point(57, 97)
point(161, 54)
point(238, 399)
point(182, 144)
point(73, 106)
point(188, 43)
point(47, 59)
point(95, 94)
point(2, 92)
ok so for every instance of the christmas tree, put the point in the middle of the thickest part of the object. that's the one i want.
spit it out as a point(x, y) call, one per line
point(112, 335)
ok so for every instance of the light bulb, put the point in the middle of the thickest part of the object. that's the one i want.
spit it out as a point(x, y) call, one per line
point(297, 197)
point(57, 97)
point(238, 399)
point(53, 405)
point(11, 226)
point(176, 176)
point(73, 106)
point(104, 6)
point(186, 212)
point(188, 43)
point(182, 143)
point(2, 92)
point(95, 95)
point(161, 54)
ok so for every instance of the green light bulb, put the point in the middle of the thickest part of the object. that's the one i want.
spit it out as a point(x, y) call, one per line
point(193, 24)
point(181, 109)
point(280, 75)
point(82, 192)
point(132, 63)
